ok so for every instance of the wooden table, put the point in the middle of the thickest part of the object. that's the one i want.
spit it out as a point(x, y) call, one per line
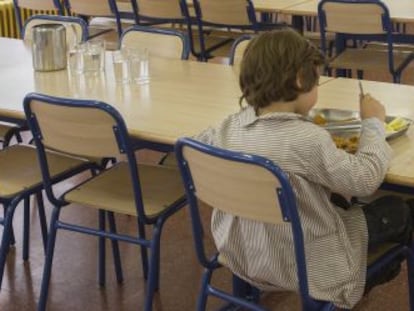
point(182, 98)
point(400, 11)
point(343, 93)
point(185, 97)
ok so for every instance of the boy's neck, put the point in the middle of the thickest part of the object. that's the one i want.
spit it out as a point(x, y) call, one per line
point(278, 107)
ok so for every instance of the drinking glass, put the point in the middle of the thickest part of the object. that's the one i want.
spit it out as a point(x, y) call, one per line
point(94, 56)
point(121, 66)
point(139, 65)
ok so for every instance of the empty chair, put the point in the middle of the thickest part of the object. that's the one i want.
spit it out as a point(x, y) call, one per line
point(20, 177)
point(103, 15)
point(76, 28)
point(237, 16)
point(44, 5)
point(370, 22)
point(149, 193)
point(168, 43)
point(254, 188)
point(237, 49)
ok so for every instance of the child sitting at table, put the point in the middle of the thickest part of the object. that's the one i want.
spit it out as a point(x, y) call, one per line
point(279, 81)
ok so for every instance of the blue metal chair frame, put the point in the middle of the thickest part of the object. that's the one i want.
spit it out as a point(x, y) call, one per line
point(18, 14)
point(287, 202)
point(186, 20)
point(255, 26)
point(151, 268)
point(168, 32)
point(114, 9)
point(341, 39)
point(10, 204)
point(61, 19)
point(235, 44)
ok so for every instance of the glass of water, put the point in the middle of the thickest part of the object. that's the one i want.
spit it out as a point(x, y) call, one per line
point(94, 56)
point(120, 61)
point(75, 58)
point(139, 65)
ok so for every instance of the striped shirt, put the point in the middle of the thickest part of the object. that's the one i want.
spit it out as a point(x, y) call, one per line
point(335, 239)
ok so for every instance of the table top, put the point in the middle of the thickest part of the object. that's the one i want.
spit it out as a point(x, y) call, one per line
point(400, 11)
point(185, 97)
point(182, 98)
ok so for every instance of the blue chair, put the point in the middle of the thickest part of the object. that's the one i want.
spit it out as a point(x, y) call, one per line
point(20, 178)
point(370, 22)
point(237, 49)
point(224, 180)
point(42, 5)
point(237, 16)
point(93, 8)
point(149, 193)
point(167, 43)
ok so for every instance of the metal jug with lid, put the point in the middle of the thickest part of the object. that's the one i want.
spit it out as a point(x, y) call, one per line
point(49, 47)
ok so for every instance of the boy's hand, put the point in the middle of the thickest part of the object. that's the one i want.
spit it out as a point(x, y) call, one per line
point(371, 108)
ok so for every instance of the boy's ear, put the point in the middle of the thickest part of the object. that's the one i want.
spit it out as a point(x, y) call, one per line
point(298, 81)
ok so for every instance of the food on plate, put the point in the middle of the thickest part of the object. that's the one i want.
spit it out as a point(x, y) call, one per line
point(319, 119)
point(349, 144)
point(396, 124)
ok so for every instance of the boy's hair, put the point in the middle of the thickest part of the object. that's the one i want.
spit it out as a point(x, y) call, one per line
point(271, 65)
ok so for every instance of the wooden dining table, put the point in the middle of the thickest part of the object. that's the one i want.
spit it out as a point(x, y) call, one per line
point(400, 11)
point(184, 97)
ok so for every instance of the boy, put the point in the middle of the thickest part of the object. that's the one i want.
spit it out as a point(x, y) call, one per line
point(278, 80)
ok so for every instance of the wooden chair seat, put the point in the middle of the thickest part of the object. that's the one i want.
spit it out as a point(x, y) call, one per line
point(19, 173)
point(367, 59)
point(112, 190)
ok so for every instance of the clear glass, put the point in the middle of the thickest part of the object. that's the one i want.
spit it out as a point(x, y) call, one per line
point(121, 66)
point(139, 65)
point(75, 59)
point(94, 56)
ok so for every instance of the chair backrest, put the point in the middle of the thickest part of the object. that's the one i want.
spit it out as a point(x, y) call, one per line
point(91, 7)
point(159, 9)
point(43, 5)
point(240, 184)
point(166, 43)
point(76, 28)
point(368, 16)
point(235, 13)
point(237, 49)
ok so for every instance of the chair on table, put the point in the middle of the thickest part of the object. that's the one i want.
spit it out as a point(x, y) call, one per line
point(20, 177)
point(235, 16)
point(223, 179)
point(370, 22)
point(103, 17)
point(76, 28)
point(150, 193)
point(237, 49)
point(43, 5)
point(166, 43)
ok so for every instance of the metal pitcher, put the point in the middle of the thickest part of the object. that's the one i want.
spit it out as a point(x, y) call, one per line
point(49, 47)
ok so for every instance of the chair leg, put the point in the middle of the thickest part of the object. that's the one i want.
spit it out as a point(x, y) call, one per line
point(5, 241)
point(101, 250)
point(360, 74)
point(154, 267)
point(26, 227)
point(42, 218)
point(410, 275)
point(202, 298)
point(144, 251)
point(115, 249)
point(49, 259)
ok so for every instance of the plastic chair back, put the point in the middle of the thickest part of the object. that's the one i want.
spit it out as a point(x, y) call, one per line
point(238, 48)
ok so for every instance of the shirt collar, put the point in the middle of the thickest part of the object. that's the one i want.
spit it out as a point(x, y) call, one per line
point(248, 116)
